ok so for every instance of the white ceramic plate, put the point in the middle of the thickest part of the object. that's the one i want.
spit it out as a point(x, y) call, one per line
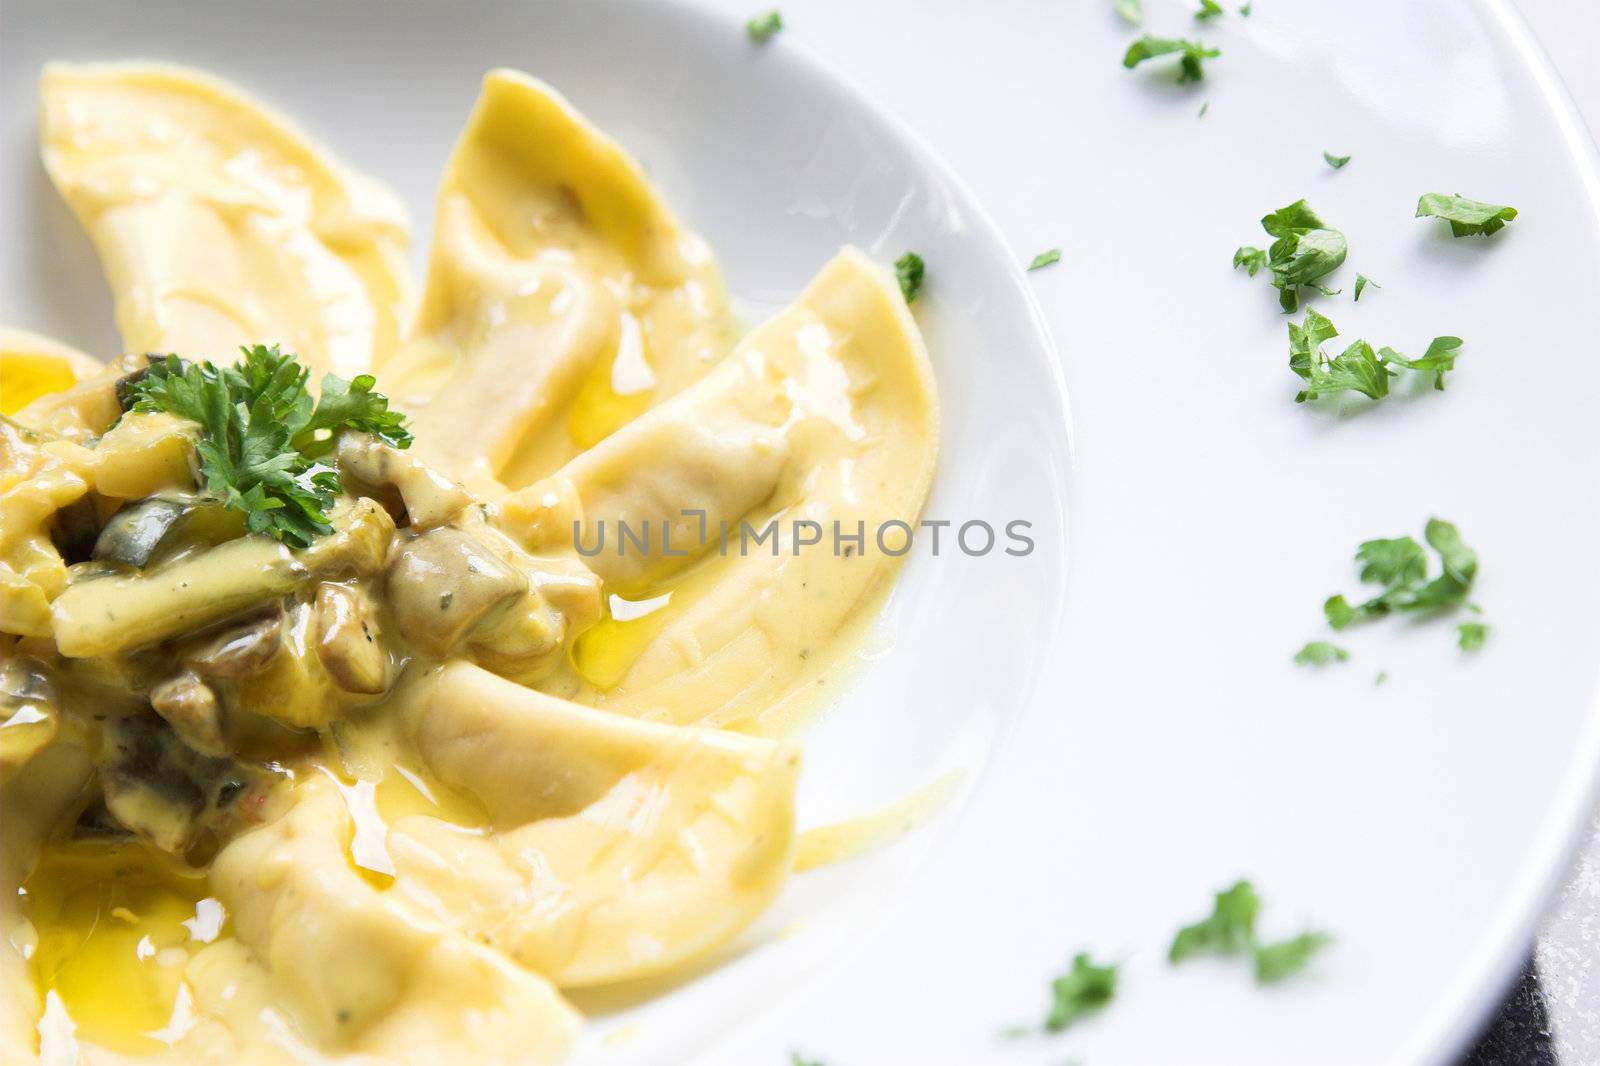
point(1135, 738)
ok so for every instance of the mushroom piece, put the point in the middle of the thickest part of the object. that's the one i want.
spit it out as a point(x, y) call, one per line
point(159, 787)
point(238, 650)
point(347, 640)
point(430, 498)
point(30, 710)
point(525, 639)
point(191, 708)
point(444, 582)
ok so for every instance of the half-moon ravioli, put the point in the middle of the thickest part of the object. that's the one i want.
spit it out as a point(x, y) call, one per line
point(218, 222)
point(617, 848)
point(563, 298)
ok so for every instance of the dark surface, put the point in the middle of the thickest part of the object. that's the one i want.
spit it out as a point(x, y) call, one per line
point(1519, 1035)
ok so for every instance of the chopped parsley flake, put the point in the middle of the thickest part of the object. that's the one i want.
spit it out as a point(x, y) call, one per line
point(1209, 9)
point(762, 28)
point(1470, 636)
point(1358, 368)
point(1304, 252)
point(908, 270)
point(1229, 930)
point(1362, 281)
point(1401, 566)
point(1130, 11)
point(1044, 259)
point(1284, 959)
point(1467, 218)
point(1249, 257)
point(1320, 653)
point(1337, 162)
point(1191, 54)
point(1081, 990)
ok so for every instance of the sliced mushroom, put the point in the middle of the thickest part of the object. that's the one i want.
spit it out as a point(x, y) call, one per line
point(159, 787)
point(237, 650)
point(30, 710)
point(430, 498)
point(525, 639)
point(191, 707)
point(347, 640)
point(444, 582)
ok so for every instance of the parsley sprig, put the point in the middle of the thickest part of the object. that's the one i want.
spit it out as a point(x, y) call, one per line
point(263, 438)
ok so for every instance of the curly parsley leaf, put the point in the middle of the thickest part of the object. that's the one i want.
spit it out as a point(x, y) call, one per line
point(1191, 54)
point(1045, 258)
point(1229, 930)
point(259, 445)
point(1467, 218)
point(1337, 162)
point(1304, 251)
point(908, 271)
point(1284, 959)
point(762, 28)
point(1209, 9)
point(1083, 989)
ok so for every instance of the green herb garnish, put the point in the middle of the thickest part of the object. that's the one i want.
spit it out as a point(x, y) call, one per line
point(1304, 251)
point(1401, 566)
point(1191, 54)
point(762, 28)
point(1320, 653)
point(263, 437)
point(1467, 218)
point(1337, 162)
point(1470, 636)
point(1250, 257)
point(1358, 368)
point(1275, 962)
point(1083, 989)
point(908, 271)
point(1046, 258)
point(1362, 281)
point(1209, 9)
point(1130, 11)
point(1229, 930)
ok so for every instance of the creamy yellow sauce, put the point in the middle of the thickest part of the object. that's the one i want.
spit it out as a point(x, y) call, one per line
point(387, 798)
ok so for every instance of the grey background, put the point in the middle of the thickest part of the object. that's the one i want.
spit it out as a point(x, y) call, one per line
point(1569, 947)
